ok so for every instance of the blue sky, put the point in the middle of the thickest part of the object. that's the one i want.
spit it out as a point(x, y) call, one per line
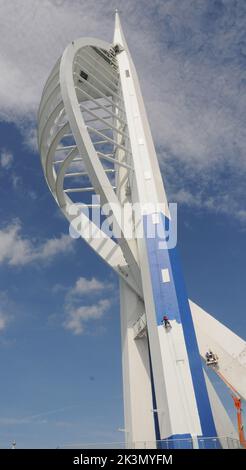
point(60, 380)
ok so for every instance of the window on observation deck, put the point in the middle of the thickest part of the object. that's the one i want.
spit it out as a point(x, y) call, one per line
point(83, 75)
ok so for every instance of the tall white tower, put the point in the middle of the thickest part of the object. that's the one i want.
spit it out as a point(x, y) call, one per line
point(95, 139)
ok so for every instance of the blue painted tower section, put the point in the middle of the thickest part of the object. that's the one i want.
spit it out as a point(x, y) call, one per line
point(171, 299)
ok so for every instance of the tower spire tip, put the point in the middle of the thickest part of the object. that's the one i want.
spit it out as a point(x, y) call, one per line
point(118, 33)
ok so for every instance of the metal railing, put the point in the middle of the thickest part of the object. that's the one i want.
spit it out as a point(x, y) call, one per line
point(223, 442)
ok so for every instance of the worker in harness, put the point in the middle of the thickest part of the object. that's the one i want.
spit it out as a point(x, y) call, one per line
point(211, 358)
point(165, 321)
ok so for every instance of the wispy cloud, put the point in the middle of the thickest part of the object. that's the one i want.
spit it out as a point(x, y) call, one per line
point(85, 286)
point(6, 159)
point(91, 292)
point(218, 189)
point(35, 418)
point(5, 311)
point(3, 320)
point(17, 250)
point(16, 181)
point(76, 318)
point(29, 133)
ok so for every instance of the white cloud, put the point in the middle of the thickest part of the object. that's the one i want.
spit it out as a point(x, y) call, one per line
point(30, 137)
point(55, 246)
point(218, 189)
point(34, 419)
point(6, 159)
point(85, 286)
point(5, 311)
point(77, 317)
point(16, 181)
point(17, 250)
point(3, 321)
point(34, 34)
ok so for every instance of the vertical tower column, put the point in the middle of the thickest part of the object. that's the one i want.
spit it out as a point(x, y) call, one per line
point(182, 400)
point(137, 387)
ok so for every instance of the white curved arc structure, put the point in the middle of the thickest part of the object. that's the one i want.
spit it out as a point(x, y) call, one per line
point(99, 178)
point(60, 110)
point(94, 139)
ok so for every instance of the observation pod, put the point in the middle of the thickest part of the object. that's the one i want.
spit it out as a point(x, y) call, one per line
point(94, 140)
